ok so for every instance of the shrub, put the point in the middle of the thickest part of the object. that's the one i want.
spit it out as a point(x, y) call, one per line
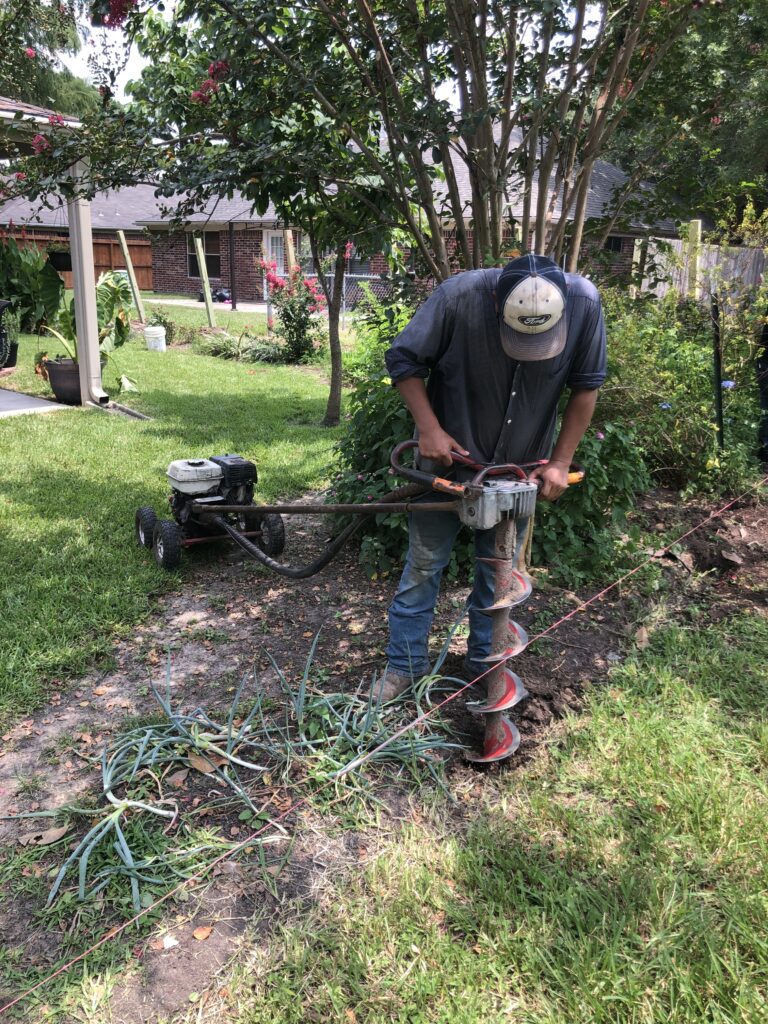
point(377, 420)
point(30, 283)
point(296, 299)
point(244, 349)
point(161, 319)
point(661, 383)
point(576, 535)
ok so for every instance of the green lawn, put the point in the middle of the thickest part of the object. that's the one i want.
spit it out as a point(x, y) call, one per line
point(72, 481)
point(621, 879)
point(187, 316)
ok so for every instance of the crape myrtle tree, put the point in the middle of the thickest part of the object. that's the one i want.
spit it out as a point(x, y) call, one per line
point(227, 124)
point(519, 99)
point(436, 113)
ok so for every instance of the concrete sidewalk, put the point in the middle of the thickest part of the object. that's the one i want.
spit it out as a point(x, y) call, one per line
point(12, 403)
point(219, 307)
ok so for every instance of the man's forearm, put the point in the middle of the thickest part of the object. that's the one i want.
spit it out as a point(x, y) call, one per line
point(414, 394)
point(576, 418)
point(434, 442)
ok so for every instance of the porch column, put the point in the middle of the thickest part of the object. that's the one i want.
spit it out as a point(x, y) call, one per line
point(84, 283)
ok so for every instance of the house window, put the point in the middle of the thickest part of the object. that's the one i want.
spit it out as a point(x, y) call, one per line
point(613, 243)
point(211, 249)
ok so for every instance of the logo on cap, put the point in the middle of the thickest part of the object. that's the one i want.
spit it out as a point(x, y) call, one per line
point(534, 321)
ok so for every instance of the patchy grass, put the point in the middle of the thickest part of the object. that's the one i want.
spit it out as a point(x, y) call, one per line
point(73, 479)
point(623, 879)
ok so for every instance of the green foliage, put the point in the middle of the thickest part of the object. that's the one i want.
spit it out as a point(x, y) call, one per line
point(113, 304)
point(245, 348)
point(161, 319)
point(661, 385)
point(377, 420)
point(29, 282)
point(576, 536)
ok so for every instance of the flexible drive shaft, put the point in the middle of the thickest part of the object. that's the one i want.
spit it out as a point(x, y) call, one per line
point(301, 572)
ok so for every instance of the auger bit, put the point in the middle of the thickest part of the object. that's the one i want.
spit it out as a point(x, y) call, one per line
point(499, 496)
point(505, 688)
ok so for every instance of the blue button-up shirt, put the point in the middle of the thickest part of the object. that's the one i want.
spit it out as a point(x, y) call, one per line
point(499, 409)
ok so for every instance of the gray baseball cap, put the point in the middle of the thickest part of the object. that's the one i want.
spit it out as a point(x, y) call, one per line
point(531, 294)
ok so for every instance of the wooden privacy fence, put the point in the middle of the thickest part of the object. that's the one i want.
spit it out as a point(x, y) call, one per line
point(696, 269)
point(106, 254)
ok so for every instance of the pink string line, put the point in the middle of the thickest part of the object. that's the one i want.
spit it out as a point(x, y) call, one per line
point(114, 932)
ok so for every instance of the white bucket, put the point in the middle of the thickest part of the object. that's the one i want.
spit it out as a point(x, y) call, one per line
point(155, 338)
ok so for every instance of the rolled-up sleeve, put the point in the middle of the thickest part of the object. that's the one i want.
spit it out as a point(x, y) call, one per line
point(588, 370)
point(419, 346)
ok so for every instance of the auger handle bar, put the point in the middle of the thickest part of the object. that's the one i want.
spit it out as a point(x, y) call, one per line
point(576, 473)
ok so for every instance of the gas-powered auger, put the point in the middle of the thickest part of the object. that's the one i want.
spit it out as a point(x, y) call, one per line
point(212, 499)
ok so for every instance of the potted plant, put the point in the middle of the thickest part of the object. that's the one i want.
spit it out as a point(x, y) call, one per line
point(113, 300)
point(60, 256)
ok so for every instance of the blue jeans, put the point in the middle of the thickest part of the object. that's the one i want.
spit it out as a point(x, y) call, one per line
point(431, 539)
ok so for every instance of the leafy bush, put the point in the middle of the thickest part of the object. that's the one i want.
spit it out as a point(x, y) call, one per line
point(161, 319)
point(113, 304)
point(377, 420)
point(661, 385)
point(244, 349)
point(296, 299)
point(29, 282)
point(576, 535)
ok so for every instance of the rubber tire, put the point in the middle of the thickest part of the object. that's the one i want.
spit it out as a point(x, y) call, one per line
point(272, 528)
point(145, 526)
point(166, 543)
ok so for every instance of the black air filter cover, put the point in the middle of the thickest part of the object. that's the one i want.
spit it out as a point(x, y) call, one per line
point(236, 470)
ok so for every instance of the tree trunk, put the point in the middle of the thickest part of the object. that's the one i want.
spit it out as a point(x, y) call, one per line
point(333, 408)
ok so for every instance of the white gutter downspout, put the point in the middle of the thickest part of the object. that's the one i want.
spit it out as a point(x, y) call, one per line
point(84, 283)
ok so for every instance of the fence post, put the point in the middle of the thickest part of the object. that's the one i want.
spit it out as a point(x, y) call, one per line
point(717, 359)
point(131, 275)
point(694, 260)
point(344, 301)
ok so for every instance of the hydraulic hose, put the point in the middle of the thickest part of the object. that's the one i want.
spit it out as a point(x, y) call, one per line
point(301, 572)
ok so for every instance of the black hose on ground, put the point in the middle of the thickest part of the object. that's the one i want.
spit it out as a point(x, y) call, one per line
point(301, 572)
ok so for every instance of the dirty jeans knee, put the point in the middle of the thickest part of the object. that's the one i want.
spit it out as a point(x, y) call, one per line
point(431, 539)
point(482, 596)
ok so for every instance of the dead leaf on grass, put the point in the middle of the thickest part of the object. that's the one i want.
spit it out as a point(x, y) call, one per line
point(202, 933)
point(100, 691)
point(642, 639)
point(43, 838)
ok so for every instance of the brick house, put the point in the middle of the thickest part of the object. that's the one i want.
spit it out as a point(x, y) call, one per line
point(231, 231)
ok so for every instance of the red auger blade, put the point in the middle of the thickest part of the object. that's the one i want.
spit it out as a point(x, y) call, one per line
point(519, 639)
point(513, 693)
point(515, 586)
point(500, 742)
